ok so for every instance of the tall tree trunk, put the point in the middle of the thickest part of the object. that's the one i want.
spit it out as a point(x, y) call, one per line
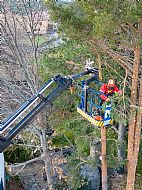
point(139, 111)
point(139, 122)
point(104, 163)
point(138, 127)
point(47, 161)
point(121, 152)
point(133, 123)
point(46, 154)
point(103, 139)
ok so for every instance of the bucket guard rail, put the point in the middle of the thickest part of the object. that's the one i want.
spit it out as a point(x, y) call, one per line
point(90, 102)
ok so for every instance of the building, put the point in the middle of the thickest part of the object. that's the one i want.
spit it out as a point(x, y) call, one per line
point(30, 14)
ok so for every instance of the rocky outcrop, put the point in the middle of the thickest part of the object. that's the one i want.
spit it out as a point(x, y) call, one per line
point(92, 176)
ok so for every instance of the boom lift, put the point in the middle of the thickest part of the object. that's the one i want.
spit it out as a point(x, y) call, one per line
point(62, 83)
point(25, 115)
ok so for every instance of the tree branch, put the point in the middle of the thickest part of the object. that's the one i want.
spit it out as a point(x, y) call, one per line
point(123, 61)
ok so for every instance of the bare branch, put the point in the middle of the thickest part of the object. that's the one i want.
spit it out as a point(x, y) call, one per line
point(122, 61)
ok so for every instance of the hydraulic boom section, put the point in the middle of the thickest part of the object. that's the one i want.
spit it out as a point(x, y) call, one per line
point(62, 83)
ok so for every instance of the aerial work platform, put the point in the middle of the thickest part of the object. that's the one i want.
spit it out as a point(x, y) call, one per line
point(90, 103)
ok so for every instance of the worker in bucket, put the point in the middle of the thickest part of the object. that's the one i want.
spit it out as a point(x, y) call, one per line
point(107, 89)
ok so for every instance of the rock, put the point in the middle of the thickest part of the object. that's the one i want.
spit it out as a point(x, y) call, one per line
point(92, 175)
point(29, 182)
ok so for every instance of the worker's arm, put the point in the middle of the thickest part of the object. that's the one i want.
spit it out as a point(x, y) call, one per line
point(102, 92)
point(103, 97)
point(116, 90)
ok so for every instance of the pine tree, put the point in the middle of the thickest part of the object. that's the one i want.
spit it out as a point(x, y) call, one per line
point(114, 28)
